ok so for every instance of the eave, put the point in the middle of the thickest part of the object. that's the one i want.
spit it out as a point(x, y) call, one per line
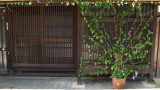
point(71, 0)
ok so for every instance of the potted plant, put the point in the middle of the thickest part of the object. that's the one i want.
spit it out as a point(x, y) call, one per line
point(125, 49)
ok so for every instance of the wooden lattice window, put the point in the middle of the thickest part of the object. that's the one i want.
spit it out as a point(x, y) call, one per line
point(43, 35)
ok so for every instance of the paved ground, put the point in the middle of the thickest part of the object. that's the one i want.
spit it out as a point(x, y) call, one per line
point(67, 83)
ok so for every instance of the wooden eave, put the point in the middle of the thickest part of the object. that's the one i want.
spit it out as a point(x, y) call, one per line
point(71, 0)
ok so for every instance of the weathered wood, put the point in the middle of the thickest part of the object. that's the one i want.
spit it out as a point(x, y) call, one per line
point(79, 42)
point(46, 35)
point(75, 34)
point(44, 65)
point(73, 0)
point(156, 65)
point(153, 46)
point(158, 54)
point(110, 23)
point(157, 62)
point(126, 19)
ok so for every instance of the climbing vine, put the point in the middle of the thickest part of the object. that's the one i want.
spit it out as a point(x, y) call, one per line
point(67, 3)
point(74, 2)
point(116, 48)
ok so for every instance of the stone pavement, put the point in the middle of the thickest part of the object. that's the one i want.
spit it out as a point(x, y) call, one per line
point(67, 83)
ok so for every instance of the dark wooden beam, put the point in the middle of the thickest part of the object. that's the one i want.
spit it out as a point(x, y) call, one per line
point(126, 19)
point(72, 0)
point(43, 66)
point(153, 46)
point(157, 59)
point(79, 42)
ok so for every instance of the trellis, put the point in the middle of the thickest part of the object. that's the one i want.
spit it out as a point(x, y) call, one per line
point(109, 21)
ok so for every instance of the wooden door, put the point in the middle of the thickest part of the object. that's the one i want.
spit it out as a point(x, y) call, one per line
point(43, 38)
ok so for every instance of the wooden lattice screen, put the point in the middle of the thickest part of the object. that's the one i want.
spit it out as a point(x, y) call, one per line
point(109, 23)
point(43, 36)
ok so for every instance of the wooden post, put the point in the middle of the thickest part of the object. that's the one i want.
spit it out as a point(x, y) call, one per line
point(158, 53)
point(157, 65)
point(9, 43)
point(153, 45)
point(79, 42)
point(75, 40)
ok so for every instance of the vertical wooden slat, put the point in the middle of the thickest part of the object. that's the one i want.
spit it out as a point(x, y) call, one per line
point(14, 8)
point(19, 44)
point(55, 33)
point(34, 31)
point(65, 45)
point(12, 43)
point(38, 30)
point(37, 58)
point(19, 48)
point(1, 30)
point(46, 34)
point(42, 44)
point(54, 55)
point(29, 59)
point(27, 32)
point(65, 16)
point(49, 35)
point(74, 54)
point(43, 34)
point(58, 29)
point(9, 42)
point(32, 34)
point(68, 31)
point(50, 31)
point(29, 36)
point(60, 32)
point(37, 34)
point(16, 21)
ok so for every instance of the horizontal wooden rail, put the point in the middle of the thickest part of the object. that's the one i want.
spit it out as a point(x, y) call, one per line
point(126, 19)
point(30, 39)
point(46, 65)
point(90, 69)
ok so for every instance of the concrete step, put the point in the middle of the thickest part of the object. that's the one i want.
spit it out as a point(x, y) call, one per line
point(156, 80)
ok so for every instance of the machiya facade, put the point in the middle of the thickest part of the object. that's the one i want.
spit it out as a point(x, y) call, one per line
point(43, 40)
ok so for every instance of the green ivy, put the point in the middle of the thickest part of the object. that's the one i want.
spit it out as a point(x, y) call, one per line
point(117, 51)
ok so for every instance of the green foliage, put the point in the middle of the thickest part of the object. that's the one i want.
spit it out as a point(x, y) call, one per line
point(122, 49)
point(67, 3)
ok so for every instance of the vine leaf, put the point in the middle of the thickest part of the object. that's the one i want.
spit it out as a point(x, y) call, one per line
point(67, 3)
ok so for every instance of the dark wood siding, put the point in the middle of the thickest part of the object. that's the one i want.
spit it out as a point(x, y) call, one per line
point(109, 24)
point(43, 37)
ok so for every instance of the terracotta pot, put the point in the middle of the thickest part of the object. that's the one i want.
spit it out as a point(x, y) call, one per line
point(118, 83)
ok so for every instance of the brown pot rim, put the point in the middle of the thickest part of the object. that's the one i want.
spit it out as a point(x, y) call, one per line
point(119, 79)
